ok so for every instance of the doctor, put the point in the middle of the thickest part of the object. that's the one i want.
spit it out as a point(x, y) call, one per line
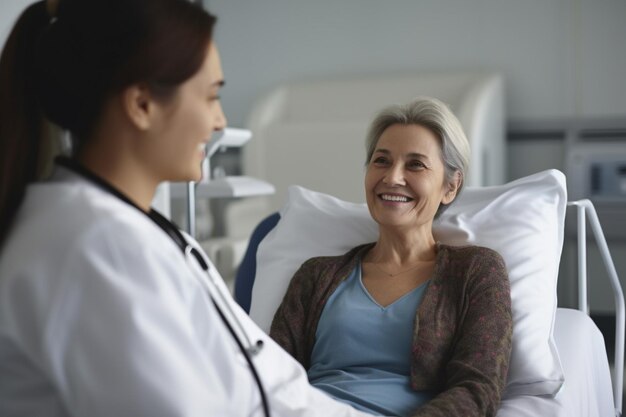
point(106, 309)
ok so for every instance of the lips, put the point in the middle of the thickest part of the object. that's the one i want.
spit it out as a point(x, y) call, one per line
point(395, 198)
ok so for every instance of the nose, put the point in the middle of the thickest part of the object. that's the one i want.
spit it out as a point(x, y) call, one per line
point(394, 176)
point(220, 122)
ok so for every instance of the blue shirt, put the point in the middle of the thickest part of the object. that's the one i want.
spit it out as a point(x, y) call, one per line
point(362, 350)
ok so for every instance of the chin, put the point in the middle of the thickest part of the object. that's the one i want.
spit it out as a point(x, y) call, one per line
point(394, 225)
point(194, 173)
point(195, 176)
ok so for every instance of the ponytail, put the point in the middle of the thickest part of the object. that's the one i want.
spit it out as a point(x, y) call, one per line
point(22, 124)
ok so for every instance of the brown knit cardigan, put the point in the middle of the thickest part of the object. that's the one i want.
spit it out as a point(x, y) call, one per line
point(462, 332)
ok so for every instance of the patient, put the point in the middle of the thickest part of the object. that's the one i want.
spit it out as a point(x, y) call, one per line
point(405, 325)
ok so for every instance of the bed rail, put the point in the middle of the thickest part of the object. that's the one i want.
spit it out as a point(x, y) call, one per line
point(586, 210)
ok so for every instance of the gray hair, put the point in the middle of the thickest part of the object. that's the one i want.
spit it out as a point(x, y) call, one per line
point(438, 118)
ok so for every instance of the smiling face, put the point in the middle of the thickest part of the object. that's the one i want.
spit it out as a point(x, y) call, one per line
point(405, 181)
point(188, 122)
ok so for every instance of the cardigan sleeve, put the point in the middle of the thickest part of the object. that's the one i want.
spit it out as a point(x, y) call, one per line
point(290, 327)
point(295, 322)
point(478, 364)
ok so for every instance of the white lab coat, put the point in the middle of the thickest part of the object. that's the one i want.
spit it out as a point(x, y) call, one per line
point(101, 315)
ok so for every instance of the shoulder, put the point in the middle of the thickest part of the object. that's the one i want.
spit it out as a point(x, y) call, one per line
point(89, 210)
point(336, 262)
point(85, 243)
point(321, 271)
point(61, 222)
point(472, 264)
point(470, 255)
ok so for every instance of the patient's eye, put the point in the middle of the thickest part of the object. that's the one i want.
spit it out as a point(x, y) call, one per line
point(415, 164)
point(380, 160)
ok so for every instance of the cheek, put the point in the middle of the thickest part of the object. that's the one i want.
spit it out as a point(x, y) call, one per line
point(371, 177)
point(428, 194)
point(369, 183)
point(193, 124)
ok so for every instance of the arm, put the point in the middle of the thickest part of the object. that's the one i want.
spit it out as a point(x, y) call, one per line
point(477, 369)
point(291, 327)
point(123, 342)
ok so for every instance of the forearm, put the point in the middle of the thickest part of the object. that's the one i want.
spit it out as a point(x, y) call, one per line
point(289, 323)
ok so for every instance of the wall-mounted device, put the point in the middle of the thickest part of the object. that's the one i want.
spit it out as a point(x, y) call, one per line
point(596, 169)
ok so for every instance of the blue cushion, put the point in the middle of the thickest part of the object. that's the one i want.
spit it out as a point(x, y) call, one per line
point(247, 270)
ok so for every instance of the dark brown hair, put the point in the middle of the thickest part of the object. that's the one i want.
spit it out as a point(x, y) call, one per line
point(63, 68)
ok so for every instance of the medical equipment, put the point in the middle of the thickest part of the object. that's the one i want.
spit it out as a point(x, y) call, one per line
point(212, 185)
point(250, 349)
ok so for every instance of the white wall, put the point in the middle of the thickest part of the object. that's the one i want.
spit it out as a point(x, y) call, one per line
point(9, 11)
point(560, 58)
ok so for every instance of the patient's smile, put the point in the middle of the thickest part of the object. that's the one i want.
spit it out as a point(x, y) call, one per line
point(396, 198)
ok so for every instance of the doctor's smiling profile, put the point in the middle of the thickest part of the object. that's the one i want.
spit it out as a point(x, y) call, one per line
point(106, 308)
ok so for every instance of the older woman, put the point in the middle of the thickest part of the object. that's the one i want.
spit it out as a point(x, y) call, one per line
point(405, 325)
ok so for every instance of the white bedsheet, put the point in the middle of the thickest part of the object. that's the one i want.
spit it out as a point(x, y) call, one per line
point(587, 391)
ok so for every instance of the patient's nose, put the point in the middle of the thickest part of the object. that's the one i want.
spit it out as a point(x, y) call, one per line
point(394, 175)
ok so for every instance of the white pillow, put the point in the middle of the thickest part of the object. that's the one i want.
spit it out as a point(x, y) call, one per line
point(522, 220)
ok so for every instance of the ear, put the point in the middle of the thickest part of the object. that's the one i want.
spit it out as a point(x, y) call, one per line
point(138, 106)
point(452, 188)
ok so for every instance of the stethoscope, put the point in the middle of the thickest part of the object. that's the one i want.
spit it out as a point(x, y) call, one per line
point(188, 250)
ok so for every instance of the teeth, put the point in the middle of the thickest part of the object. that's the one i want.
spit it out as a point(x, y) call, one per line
point(202, 146)
point(394, 198)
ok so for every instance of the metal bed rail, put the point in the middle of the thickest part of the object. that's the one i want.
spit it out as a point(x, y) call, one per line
point(586, 211)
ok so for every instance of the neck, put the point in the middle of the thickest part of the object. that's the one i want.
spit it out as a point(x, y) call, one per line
point(121, 171)
point(403, 249)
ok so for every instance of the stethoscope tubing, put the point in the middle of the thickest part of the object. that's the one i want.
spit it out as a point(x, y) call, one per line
point(253, 349)
point(248, 356)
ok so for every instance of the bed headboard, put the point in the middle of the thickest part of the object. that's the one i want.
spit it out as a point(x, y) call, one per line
point(313, 133)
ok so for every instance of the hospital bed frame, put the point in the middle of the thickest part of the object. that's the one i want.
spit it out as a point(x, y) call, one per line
point(585, 209)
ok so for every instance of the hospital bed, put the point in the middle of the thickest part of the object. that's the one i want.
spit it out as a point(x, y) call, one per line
point(303, 132)
point(524, 221)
